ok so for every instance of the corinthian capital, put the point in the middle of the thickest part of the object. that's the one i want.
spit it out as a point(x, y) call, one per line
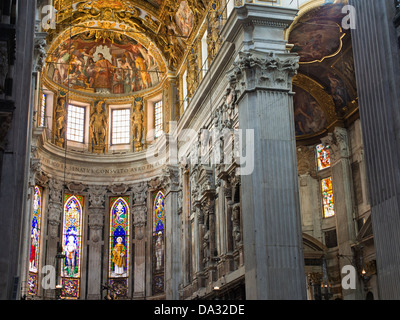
point(263, 71)
point(170, 179)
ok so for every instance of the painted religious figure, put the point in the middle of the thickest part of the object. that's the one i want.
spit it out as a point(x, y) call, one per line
point(70, 254)
point(118, 259)
point(316, 42)
point(308, 114)
point(120, 213)
point(103, 66)
point(72, 236)
point(36, 218)
point(184, 18)
point(103, 72)
point(34, 244)
point(159, 251)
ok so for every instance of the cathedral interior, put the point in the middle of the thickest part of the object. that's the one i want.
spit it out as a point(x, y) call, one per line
point(213, 149)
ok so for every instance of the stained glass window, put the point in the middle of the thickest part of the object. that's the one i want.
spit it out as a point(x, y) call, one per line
point(35, 241)
point(158, 116)
point(121, 126)
point(76, 123)
point(72, 246)
point(43, 109)
point(119, 245)
point(327, 196)
point(323, 157)
point(158, 243)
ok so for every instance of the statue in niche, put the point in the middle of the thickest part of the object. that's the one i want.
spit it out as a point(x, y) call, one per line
point(236, 232)
point(98, 125)
point(137, 125)
point(193, 73)
point(60, 122)
point(206, 236)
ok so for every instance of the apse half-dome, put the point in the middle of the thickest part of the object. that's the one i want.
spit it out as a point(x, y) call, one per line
point(113, 65)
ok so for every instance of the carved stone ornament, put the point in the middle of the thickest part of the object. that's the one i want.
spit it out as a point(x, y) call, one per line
point(306, 161)
point(266, 71)
point(139, 192)
point(39, 52)
point(55, 191)
point(170, 179)
point(54, 218)
point(96, 196)
point(155, 183)
point(119, 189)
point(75, 187)
point(338, 142)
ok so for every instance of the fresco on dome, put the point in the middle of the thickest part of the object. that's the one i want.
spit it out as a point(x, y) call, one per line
point(316, 41)
point(121, 66)
point(184, 18)
point(308, 114)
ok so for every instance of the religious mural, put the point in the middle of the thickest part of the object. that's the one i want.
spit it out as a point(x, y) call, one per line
point(184, 18)
point(85, 63)
point(315, 44)
point(308, 114)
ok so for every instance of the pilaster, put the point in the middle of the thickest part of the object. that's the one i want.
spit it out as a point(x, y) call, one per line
point(139, 210)
point(96, 214)
point(54, 218)
point(172, 231)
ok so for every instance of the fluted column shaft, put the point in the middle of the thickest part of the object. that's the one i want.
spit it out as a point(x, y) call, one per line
point(377, 68)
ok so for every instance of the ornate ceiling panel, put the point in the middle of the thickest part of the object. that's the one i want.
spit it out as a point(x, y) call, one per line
point(102, 63)
point(325, 86)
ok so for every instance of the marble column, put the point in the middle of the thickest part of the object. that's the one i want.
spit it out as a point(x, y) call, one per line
point(139, 211)
point(16, 52)
point(54, 218)
point(96, 213)
point(172, 232)
point(377, 72)
point(262, 77)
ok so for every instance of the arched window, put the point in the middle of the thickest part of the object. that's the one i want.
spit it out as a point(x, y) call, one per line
point(158, 243)
point(327, 197)
point(323, 157)
point(72, 246)
point(118, 270)
point(35, 242)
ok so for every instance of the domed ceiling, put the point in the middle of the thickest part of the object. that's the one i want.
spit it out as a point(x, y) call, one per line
point(325, 86)
point(117, 66)
point(119, 47)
